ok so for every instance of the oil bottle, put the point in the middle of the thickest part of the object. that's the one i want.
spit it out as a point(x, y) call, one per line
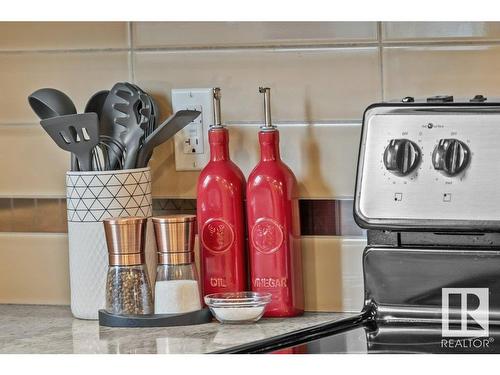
point(220, 211)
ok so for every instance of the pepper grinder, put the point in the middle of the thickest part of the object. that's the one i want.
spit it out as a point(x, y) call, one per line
point(128, 291)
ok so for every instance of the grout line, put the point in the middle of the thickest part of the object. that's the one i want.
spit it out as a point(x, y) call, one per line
point(278, 47)
point(440, 43)
point(340, 45)
point(326, 46)
point(129, 34)
point(381, 59)
point(61, 51)
point(341, 122)
point(131, 53)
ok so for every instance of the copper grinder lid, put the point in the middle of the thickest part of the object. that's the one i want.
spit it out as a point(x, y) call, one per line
point(125, 237)
point(175, 238)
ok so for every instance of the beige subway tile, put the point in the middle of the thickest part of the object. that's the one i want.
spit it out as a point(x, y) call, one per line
point(62, 35)
point(462, 71)
point(77, 74)
point(440, 31)
point(31, 163)
point(333, 279)
point(35, 268)
point(352, 273)
point(333, 276)
point(322, 156)
point(307, 84)
point(219, 34)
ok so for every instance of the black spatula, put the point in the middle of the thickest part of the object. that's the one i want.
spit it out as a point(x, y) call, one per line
point(78, 134)
point(163, 132)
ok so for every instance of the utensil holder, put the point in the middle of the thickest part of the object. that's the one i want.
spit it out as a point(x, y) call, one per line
point(91, 198)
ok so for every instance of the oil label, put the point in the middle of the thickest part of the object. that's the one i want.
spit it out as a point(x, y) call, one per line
point(218, 282)
point(217, 235)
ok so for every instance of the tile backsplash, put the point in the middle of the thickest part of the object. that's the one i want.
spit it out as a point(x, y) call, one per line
point(322, 75)
point(318, 217)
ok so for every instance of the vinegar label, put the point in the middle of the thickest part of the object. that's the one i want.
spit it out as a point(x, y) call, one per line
point(267, 235)
point(217, 235)
point(270, 282)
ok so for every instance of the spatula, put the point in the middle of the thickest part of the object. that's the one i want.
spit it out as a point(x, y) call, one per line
point(163, 132)
point(78, 134)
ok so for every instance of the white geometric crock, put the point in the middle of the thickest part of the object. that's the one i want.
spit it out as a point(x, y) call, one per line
point(91, 198)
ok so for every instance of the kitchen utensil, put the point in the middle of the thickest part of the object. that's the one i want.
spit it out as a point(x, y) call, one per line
point(121, 114)
point(78, 134)
point(96, 102)
point(221, 231)
point(146, 109)
point(47, 103)
point(164, 132)
point(100, 154)
point(238, 307)
point(147, 112)
point(107, 144)
point(155, 113)
point(132, 138)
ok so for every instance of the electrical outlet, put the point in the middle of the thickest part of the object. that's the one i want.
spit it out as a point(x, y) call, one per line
point(191, 143)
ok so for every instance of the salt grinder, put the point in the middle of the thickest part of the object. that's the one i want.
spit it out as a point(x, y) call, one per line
point(128, 291)
point(177, 288)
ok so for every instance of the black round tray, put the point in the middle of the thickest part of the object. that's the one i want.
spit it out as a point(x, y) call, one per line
point(156, 320)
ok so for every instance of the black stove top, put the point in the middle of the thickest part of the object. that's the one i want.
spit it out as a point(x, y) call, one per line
point(409, 339)
point(363, 335)
point(425, 299)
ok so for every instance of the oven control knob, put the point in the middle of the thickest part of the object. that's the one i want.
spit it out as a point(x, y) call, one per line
point(401, 156)
point(451, 156)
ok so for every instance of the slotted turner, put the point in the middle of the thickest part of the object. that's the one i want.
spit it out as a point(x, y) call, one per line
point(163, 132)
point(78, 134)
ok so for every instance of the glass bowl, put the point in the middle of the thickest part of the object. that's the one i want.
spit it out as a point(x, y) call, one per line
point(238, 307)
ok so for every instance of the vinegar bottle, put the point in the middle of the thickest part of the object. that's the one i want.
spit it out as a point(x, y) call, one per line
point(220, 210)
point(273, 225)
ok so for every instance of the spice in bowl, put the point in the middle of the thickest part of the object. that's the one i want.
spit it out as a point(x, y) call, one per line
point(238, 307)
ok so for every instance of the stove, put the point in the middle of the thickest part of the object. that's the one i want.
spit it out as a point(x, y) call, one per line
point(428, 193)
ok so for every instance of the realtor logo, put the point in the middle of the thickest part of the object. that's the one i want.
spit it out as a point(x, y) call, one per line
point(465, 312)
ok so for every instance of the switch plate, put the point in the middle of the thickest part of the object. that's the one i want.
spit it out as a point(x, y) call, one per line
point(191, 143)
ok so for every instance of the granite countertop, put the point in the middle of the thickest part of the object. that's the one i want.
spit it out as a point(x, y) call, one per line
point(52, 329)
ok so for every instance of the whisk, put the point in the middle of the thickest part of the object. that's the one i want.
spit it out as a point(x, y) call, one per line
point(100, 154)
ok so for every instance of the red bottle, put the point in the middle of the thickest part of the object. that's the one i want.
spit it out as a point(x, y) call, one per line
point(220, 211)
point(273, 226)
